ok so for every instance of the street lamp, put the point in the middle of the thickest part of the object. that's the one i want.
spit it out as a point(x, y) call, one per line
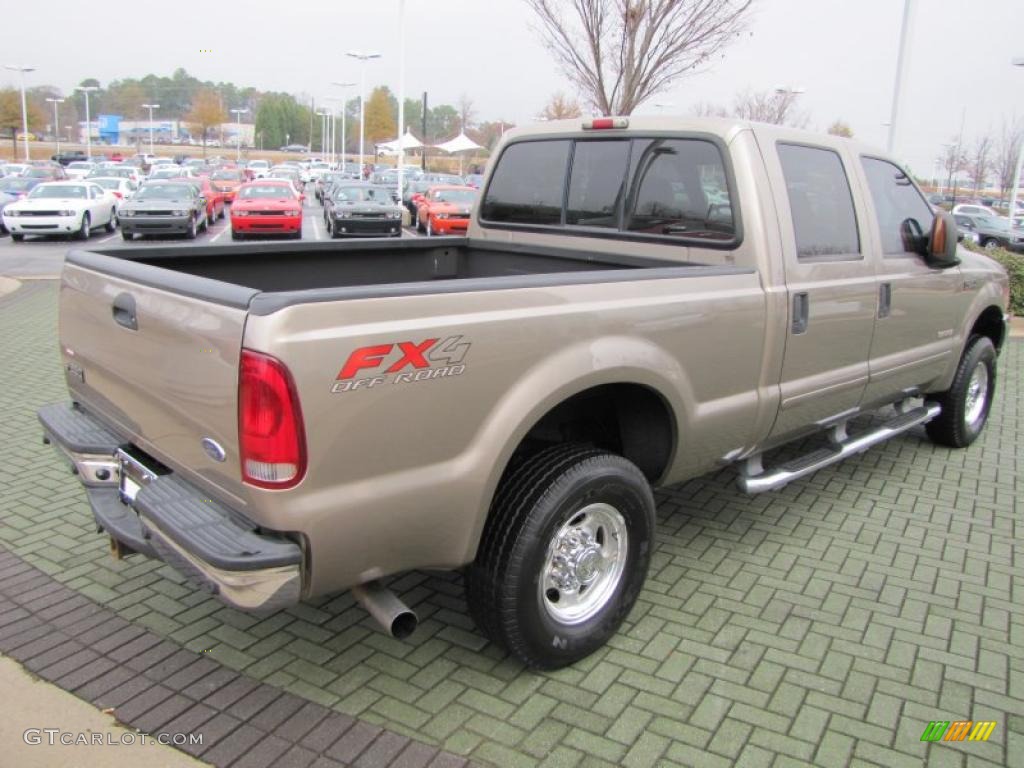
point(24, 108)
point(87, 89)
point(902, 64)
point(363, 57)
point(323, 131)
point(1017, 62)
point(150, 107)
point(238, 112)
point(56, 120)
point(401, 94)
point(344, 119)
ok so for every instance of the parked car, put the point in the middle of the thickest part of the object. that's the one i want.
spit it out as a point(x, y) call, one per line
point(363, 210)
point(325, 181)
point(444, 210)
point(288, 174)
point(259, 168)
point(413, 194)
point(66, 158)
point(213, 196)
point(474, 180)
point(974, 209)
point(278, 426)
point(992, 231)
point(227, 181)
point(12, 169)
point(62, 208)
point(45, 172)
point(118, 186)
point(164, 207)
point(18, 186)
point(79, 169)
point(5, 199)
point(120, 171)
point(266, 207)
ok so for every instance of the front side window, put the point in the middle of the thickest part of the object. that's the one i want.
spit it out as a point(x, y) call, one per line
point(896, 199)
point(596, 183)
point(820, 203)
point(680, 190)
point(526, 187)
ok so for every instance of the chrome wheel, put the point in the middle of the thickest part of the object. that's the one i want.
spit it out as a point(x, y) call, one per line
point(585, 562)
point(977, 395)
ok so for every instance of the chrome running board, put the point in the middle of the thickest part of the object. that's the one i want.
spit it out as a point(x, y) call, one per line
point(755, 479)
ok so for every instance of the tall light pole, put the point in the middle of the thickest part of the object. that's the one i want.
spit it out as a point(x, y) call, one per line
point(1017, 62)
point(238, 112)
point(332, 132)
point(24, 107)
point(323, 131)
point(344, 119)
point(87, 89)
point(150, 107)
point(401, 94)
point(902, 64)
point(363, 58)
point(56, 120)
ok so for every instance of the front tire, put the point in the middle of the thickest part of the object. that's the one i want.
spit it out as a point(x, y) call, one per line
point(127, 236)
point(112, 222)
point(16, 238)
point(191, 232)
point(563, 555)
point(966, 404)
point(85, 230)
point(991, 244)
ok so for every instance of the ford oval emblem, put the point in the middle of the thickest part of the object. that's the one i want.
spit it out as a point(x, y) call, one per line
point(213, 449)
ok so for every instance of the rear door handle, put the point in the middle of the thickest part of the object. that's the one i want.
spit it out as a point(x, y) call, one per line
point(884, 300)
point(801, 310)
point(123, 310)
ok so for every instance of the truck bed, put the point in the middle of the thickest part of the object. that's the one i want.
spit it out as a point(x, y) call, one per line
point(265, 277)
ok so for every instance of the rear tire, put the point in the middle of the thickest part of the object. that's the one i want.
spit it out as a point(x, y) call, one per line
point(966, 404)
point(563, 555)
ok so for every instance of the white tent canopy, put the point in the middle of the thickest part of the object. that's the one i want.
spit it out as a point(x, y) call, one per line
point(408, 142)
point(460, 143)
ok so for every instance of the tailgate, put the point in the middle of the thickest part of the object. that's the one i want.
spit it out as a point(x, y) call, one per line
point(159, 365)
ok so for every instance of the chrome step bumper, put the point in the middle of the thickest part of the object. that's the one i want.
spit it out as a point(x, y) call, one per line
point(754, 479)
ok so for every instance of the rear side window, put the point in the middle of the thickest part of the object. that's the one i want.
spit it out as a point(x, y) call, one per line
point(679, 190)
point(820, 202)
point(896, 199)
point(527, 185)
point(596, 183)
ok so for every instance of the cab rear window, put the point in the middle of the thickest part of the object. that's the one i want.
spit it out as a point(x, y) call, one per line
point(659, 188)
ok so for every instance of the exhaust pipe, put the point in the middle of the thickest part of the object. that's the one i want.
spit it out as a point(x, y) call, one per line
point(384, 606)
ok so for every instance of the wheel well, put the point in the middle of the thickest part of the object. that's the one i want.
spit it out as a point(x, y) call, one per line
point(990, 324)
point(630, 420)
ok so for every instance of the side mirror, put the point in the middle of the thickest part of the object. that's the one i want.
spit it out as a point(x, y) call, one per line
point(942, 242)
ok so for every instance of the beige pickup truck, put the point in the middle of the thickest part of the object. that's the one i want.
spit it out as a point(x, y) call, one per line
point(638, 301)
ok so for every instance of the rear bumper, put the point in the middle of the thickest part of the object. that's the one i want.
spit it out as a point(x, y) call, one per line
point(170, 519)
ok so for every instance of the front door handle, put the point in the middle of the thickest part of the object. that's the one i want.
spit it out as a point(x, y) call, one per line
point(801, 310)
point(884, 300)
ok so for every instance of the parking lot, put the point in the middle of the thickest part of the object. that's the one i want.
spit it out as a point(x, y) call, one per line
point(824, 624)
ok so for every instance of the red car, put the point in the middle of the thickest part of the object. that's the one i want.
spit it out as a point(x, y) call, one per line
point(214, 197)
point(267, 206)
point(227, 181)
point(444, 210)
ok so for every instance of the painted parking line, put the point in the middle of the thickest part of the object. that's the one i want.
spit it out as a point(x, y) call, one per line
point(316, 228)
point(217, 236)
point(110, 237)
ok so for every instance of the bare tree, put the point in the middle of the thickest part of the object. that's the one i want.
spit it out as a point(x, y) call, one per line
point(841, 128)
point(466, 111)
point(561, 107)
point(619, 53)
point(778, 107)
point(953, 159)
point(1004, 160)
point(979, 162)
point(707, 109)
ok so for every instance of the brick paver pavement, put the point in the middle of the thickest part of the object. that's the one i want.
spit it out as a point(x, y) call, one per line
point(825, 624)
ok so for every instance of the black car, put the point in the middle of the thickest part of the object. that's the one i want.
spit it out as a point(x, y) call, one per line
point(992, 232)
point(355, 209)
point(66, 158)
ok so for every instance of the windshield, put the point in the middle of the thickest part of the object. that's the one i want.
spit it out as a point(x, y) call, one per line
point(363, 194)
point(39, 173)
point(80, 165)
point(16, 185)
point(992, 222)
point(275, 191)
point(454, 196)
point(58, 190)
point(166, 192)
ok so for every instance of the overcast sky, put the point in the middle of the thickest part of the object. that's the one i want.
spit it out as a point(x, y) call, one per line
point(843, 53)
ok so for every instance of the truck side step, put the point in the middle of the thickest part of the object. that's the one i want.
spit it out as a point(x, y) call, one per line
point(754, 479)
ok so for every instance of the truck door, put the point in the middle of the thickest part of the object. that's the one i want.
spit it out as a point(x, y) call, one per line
point(917, 305)
point(830, 283)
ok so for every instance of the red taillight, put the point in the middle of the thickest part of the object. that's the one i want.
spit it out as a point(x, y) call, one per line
point(118, 195)
point(605, 123)
point(271, 438)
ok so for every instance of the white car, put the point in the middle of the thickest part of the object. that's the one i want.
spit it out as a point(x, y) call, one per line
point(79, 169)
point(13, 169)
point(974, 210)
point(120, 187)
point(259, 168)
point(167, 172)
point(62, 208)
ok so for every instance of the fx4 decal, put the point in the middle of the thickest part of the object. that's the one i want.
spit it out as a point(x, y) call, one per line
point(403, 362)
